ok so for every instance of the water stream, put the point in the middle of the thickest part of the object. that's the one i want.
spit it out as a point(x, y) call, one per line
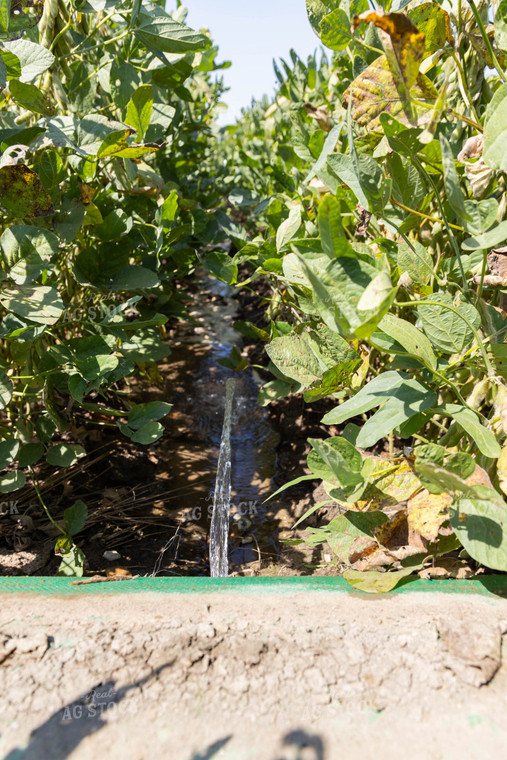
point(219, 534)
point(215, 488)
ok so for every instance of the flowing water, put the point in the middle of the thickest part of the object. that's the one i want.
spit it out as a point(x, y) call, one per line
point(197, 469)
point(219, 535)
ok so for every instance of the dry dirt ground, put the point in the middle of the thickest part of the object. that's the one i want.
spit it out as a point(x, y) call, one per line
point(272, 676)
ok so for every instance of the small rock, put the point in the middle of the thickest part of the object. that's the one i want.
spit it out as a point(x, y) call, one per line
point(111, 555)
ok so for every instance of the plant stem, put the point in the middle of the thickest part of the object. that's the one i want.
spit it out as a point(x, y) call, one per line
point(46, 510)
point(424, 216)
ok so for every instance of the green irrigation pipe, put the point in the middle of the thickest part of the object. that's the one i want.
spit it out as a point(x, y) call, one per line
point(488, 585)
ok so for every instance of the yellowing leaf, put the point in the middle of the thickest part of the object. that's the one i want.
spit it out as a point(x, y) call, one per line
point(376, 582)
point(435, 25)
point(390, 483)
point(116, 145)
point(403, 43)
point(427, 512)
point(501, 468)
point(376, 91)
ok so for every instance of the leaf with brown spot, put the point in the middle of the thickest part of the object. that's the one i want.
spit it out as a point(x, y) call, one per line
point(427, 512)
point(87, 192)
point(434, 23)
point(403, 43)
point(395, 533)
point(371, 558)
point(448, 567)
point(376, 91)
point(22, 193)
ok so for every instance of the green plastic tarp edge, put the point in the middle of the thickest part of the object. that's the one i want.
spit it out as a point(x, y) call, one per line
point(490, 585)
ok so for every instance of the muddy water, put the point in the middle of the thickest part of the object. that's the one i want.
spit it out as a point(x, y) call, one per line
point(195, 384)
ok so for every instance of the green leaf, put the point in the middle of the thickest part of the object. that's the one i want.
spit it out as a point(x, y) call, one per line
point(5, 390)
point(408, 400)
point(34, 59)
point(310, 512)
point(330, 227)
point(273, 391)
point(368, 398)
point(482, 215)
point(30, 97)
point(413, 340)
point(491, 239)
point(30, 454)
point(168, 36)
point(133, 278)
point(287, 230)
point(72, 563)
point(335, 30)
point(27, 251)
point(250, 330)
point(495, 131)
point(469, 421)
point(439, 479)
point(40, 304)
point(75, 517)
point(113, 226)
point(364, 177)
point(173, 75)
point(5, 10)
point(351, 295)
point(97, 367)
point(336, 461)
point(13, 481)
point(293, 356)
point(139, 110)
point(148, 433)
point(124, 80)
point(145, 346)
point(46, 428)
point(169, 209)
point(221, 266)
point(446, 329)
point(8, 451)
point(416, 261)
point(317, 10)
point(64, 454)
point(11, 65)
point(294, 482)
point(480, 525)
point(333, 380)
point(140, 414)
